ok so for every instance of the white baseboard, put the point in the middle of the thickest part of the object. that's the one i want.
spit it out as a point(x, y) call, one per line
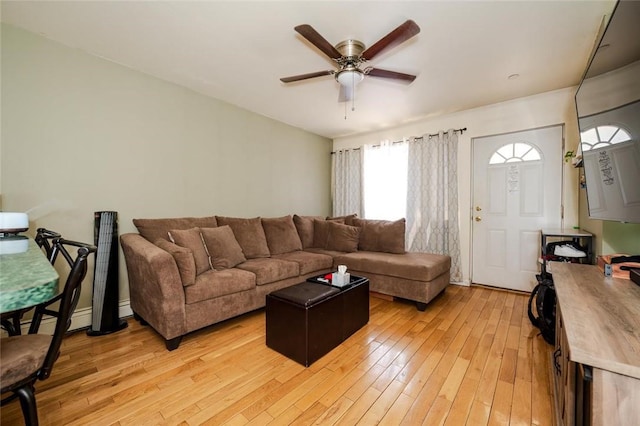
point(464, 283)
point(81, 319)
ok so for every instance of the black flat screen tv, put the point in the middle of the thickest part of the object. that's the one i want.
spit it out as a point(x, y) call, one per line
point(608, 107)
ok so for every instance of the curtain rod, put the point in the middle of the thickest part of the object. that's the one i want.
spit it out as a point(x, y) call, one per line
point(461, 131)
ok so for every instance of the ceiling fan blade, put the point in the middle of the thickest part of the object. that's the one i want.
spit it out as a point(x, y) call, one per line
point(401, 34)
point(377, 72)
point(305, 76)
point(345, 94)
point(318, 41)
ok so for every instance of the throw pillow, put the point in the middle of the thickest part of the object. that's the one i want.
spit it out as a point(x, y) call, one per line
point(223, 248)
point(154, 229)
point(381, 235)
point(342, 237)
point(184, 260)
point(250, 235)
point(191, 239)
point(320, 233)
point(348, 219)
point(281, 234)
point(304, 225)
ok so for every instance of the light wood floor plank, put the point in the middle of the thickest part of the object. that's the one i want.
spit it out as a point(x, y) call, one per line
point(288, 400)
point(476, 350)
point(501, 407)
point(310, 415)
point(440, 363)
point(287, 417)
point(334, 412)
point(379, 408)
point(471, 358)
point(397, 411)
point(353, 415)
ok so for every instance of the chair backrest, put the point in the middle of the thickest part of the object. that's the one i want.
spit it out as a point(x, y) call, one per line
point(44, 238)
point(70, 295)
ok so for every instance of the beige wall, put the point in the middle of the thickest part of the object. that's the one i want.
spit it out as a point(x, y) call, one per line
point(546, 109)
point(609, 236)
point(81, 134)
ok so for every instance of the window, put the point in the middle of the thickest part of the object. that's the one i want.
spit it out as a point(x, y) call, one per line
point(515, 152)
point(385, 181)
point(600, 136)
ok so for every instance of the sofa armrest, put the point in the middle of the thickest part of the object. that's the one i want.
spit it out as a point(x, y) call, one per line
point(155, 285)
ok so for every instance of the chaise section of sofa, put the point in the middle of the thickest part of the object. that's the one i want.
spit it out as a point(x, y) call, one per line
point(376, 249)
point(414, 276)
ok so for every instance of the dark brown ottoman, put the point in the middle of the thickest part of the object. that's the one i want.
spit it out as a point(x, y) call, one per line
point(306, 321)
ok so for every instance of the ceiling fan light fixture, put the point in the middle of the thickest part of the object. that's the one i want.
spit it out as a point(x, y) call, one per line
point(350, 77)
point(350, 54)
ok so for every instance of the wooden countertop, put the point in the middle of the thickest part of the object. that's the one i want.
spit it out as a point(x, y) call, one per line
point(601, 317)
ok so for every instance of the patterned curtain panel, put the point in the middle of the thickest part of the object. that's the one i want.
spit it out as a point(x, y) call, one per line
point(432, 198)
point(346, 179)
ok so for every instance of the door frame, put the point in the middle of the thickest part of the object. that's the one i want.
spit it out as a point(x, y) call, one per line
point(472, 192)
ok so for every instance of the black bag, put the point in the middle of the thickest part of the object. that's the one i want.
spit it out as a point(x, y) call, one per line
point(544, 297)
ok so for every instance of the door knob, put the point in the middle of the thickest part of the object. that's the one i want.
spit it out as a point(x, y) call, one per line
point(478, 218)
point(478, 208)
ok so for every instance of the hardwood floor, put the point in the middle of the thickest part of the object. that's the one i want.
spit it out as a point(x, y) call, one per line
point(471, 358)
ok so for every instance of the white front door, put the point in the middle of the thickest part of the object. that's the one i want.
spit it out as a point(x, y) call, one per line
point(517, 191)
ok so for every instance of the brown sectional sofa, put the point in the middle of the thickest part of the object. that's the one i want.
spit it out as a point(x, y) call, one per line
point(188, 273)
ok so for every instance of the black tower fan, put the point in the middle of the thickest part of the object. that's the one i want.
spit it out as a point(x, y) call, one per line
point(104, 318)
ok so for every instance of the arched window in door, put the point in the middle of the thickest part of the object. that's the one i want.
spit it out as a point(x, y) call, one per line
point(600, 136)
point(515, 152)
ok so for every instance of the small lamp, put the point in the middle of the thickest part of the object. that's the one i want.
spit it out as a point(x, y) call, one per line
point(13, 223)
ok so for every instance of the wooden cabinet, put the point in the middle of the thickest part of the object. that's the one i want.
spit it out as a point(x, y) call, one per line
point(566, 383)
point(564, 375)
point(596, 362)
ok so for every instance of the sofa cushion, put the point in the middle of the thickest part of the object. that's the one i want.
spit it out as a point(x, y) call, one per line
point(331, 253)
point(308, 262)
point(342, 237)
point(250, 235)
point(381, 235)
point(153, 229)
point(184, 260)
point(191, 239)
point(347, 220)
point(223, 248)
point(270, 270)
point(412, 266)
point(304, 225)
point(213, 284)
point(281, 234)
point(320, 233)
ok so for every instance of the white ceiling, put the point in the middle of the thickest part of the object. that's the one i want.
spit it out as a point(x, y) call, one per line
point(237, 51)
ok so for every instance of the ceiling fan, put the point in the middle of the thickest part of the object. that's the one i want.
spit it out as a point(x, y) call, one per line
point(350, 54)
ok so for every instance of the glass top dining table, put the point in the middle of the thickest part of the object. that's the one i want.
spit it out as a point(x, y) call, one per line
point(26, 276)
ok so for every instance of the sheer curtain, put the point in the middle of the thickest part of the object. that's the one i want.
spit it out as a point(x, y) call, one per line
point(385, 180)
point(432, 198)
point(346, 187)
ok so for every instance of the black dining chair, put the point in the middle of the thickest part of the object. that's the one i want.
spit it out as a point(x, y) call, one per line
point(11, 322)
point(44, 238)
point(28, 358)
